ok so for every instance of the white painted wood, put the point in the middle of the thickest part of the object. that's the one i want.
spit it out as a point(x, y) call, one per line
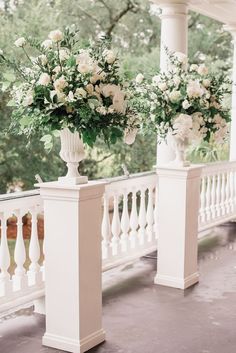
point(115, 227)
point(142, 218)
point(34, 250)
point(134, 221)
point(125, 226)
point(19, 277)
point(73, 285)
point(5, 285)
point(178, 227)
point(150, 215)
point(174, 36)
point(106, 230)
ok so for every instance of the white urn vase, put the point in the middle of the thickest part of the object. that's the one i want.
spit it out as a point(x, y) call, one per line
point(72, 152)
point(180, 147)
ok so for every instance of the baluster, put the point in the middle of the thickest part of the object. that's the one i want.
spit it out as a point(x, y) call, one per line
point(218, 196)
point(227, 192)
point(5, 284)
point(106, 230)
point(223, 210)
point(142, 218)
point(203, 201)
point(115, 227)
point(213, 197)
point(208, 198)
point(19, 278)
point(231, 191)
point(150, 216)
point(125, 224)
point(156, 214)
point(34, 250)
point(133, 221)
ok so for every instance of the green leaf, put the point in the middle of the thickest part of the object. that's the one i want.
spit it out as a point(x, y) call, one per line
point(24, 121)
point(5, 86)
point(46, 138)
point(9, 76)
point(56, 133)
point(11, 103)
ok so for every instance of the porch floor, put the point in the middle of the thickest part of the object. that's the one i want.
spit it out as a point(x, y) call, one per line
point(140, 317)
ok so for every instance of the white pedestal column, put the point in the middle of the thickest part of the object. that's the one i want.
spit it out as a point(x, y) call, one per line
point(174, 36)
point(232, 156)
point(177, 212)
point(73, 216)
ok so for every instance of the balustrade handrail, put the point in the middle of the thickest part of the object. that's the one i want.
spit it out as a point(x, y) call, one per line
point(19, 195)
point(215, 167)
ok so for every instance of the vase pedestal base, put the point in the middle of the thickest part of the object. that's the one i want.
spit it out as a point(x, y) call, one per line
point(73, 180)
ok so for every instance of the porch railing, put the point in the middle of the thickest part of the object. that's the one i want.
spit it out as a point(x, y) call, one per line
point(21, 277)
point(218, 194)
point(129, 227)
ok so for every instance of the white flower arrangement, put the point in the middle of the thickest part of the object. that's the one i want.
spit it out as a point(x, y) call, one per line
point(69, 86)
point(186, 101)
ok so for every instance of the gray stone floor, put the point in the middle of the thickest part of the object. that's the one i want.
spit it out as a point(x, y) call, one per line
point(140, 317)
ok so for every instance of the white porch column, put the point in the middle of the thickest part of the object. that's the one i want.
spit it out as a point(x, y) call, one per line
point(73, 217)
point(174, 36)
point(177, 211)
point(232, 156)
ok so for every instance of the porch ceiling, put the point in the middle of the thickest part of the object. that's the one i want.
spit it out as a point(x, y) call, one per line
point(221, 10)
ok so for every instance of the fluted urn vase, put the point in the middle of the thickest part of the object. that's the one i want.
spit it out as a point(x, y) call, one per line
point(72, 152)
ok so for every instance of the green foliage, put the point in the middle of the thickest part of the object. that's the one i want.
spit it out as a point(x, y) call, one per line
point(135, 32)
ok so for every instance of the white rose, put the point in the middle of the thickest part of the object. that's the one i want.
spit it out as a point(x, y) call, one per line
point(63, 54)
point(61, 97)
point(20, 42)
point(55, 36)
point(162, 86)
point(186, 104)
point(57, 69)
point(139, 78)
point(206, 83)
point(110, 56)
point(81, 92)
point(97, 77)
point(194, 67)
point(84, 68)
point(110, 90)
point(119, 103)
point(202, 70)
point(70, 97)
point(47, 44)
point(130, 135)
point(155, 80)
point(194, 89)
point(101, 110)
point(60, 83)
point(44, 79)
point(181, 57)
point(176, 80)
point(90, 89)
point(174, 96)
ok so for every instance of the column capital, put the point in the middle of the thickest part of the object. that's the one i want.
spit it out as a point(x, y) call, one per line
point(172, 8)
point(231, 28)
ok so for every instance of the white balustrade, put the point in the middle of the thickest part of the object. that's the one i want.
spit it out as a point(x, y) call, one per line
point(218, 191)
point(128, 226)
point(19, 283)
